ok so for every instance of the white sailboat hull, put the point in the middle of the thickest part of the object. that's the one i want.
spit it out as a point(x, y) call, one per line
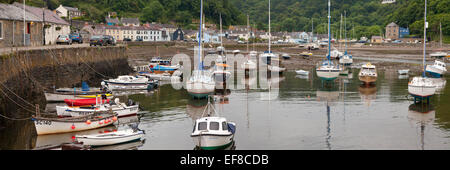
point(421, 91)
point(328, 74)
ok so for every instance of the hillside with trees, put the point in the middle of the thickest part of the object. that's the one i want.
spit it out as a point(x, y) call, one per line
point(364, 17)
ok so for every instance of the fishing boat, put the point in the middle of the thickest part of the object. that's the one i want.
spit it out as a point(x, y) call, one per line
point(403, 72)
point(47, 125)
point(201, 83)
point(161, 69)
point(84, 102)
point(130, 83)
point(160, 61)
point(59, 95)
point(121, 109)
point(328, 71)
point(302, 72)
point(368, 74)
point(422, 87)
point(213, 133)
point(112, 138)
point(437, 69)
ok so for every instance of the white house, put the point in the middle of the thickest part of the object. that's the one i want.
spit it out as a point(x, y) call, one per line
point(68, 12)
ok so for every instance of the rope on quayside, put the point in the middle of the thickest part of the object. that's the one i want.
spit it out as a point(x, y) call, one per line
point(24, 101)
point(15, 103)
point(15, 118)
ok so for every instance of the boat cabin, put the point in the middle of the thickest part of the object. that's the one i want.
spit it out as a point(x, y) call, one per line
point(213, 125)
point(440, 64)
point(160, 61)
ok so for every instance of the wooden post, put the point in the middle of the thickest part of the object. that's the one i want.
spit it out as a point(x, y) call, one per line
point(38, 114)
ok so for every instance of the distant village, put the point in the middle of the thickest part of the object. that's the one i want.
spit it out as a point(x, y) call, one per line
point(43, 27)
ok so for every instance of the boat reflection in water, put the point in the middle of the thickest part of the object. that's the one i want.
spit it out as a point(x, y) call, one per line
point(273, 86)
point(403, 76)
point(231, 147)
point(421, 115)
point(134, 145)
point(368, 93)
point(329, 94)
point(195, 108)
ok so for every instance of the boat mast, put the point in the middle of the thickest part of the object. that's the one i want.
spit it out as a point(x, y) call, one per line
point(200, 37)
point(345, 30)
point(340, 34)
point(270, 35)
point(312, 31)
point(425, 38)
point(440, 28)
point(221, 44)
point(329, 32)
point(248, 31)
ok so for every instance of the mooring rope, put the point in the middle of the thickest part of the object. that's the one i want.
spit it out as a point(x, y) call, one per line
point(29, 118)
point(23, 107)
point(25, 101)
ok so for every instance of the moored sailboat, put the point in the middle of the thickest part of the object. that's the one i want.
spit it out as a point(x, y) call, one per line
point(422, 87)
point(328, 71)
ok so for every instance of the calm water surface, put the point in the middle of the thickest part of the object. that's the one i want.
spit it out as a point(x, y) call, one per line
point(305, 113)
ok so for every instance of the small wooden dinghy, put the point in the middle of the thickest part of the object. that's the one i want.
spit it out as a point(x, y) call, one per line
point(46, 125)
point(111, 138)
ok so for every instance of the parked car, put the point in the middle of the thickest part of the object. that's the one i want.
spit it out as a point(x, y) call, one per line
point(98, 40)
point(139, 39)
point(76, 37)
point(126, 39)
point(64, 39)
point(110, 40)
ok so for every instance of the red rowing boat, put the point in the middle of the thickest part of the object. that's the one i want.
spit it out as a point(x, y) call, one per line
point(83, 102)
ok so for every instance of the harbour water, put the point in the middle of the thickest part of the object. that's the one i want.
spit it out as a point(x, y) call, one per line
point(304, 113)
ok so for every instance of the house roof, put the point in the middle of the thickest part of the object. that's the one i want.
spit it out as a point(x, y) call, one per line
point(11, 12)
point(392, 24)
point(71, 8)
point(112, 20)
point(376, 37)
point(39, 12)
point(130, 20)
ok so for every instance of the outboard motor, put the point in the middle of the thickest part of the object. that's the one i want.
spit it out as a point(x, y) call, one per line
point(130, 102)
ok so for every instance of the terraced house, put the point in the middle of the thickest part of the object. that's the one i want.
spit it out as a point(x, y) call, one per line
point(15, 31)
